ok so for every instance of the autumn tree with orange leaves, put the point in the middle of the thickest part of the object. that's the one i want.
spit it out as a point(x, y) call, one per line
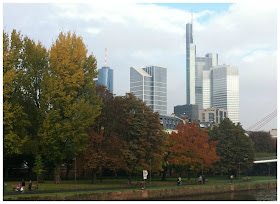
point(190, 147)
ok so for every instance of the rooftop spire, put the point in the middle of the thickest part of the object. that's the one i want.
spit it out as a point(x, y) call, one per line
point(105, 57)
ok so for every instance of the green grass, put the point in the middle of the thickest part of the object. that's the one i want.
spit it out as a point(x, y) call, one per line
point(265, 154)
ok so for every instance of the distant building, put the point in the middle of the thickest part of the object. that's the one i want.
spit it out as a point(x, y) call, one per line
point(273, 133)
point(212, 115)
point(203, 64)
point(169, 122)
point(150, 85)
point(105, 78)
point(187, 111)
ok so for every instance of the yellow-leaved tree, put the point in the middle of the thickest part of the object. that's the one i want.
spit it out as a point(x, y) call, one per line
point(69, 100)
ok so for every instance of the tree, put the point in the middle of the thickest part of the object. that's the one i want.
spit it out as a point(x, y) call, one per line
point(38, 166)
point(69, 100)
point(190, 147)
point(234, 148)
point(263, 142)
point(14, 118)
point(140, 132)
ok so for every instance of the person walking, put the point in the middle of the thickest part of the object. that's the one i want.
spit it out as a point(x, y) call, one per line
point(23, 185)
point(203, 179)
point(200, 179)
point(231, 178)
point(30, 185)
point(179, 181)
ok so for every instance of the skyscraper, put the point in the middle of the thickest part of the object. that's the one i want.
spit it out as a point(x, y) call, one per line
point(202, 64)
point(225, 90)
point(150, 85)
point(190, 65)
point(105, 78)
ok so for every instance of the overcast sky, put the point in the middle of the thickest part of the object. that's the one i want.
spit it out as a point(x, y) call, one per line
point(243, 35)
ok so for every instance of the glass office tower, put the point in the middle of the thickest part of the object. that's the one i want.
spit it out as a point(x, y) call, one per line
point(190, 65)
point(150, 85)
point(105, 78)
point(225, 90)
point(203, 64)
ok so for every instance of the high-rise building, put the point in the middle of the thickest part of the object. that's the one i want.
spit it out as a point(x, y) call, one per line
point(202, 64)
point(150, 85)
point(105, 78)
point(190, 65)
point(225, 90)
point(206, 89)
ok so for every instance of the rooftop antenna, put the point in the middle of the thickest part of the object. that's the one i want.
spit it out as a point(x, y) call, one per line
point(105, 57)
point(191, 16)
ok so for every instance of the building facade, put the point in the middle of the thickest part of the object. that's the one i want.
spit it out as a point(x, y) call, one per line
point(169, 122)
point(190, 65)
point(105, 78)
point(203, 64)
point(150, 85)
point(212, 115)
point(187, 111)
point(225, 90)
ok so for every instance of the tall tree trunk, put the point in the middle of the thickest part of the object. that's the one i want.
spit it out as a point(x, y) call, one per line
point(170, 172)
point(68, 168)
point(6, 172)
point(129, 177)
point(163, 178)
point(100, 174)
point(195, 175)
point(93, 181)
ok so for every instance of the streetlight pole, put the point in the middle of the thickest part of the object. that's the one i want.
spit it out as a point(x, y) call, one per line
point(150, 172)
point(75, 173)
point(239, 169)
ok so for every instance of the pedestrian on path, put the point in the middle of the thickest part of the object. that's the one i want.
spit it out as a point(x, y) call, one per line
point(231, 177)
point(23, 185)
point(200, 179)
point(30, 185)
point(179, 181)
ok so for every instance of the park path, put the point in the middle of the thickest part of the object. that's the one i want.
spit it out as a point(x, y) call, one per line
point(119, 188)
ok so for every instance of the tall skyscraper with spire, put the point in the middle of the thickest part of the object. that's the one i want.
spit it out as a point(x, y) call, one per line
point(190, 65)
point(105, 76)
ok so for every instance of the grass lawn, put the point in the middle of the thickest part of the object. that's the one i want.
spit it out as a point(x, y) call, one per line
point(117, 183)
point(265, 154)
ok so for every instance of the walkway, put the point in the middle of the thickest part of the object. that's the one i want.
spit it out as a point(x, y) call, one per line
point(120, 188)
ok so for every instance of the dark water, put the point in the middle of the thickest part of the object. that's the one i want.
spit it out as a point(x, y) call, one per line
point(260, 195)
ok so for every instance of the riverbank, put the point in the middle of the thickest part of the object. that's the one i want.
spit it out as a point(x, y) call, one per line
point(157, 193)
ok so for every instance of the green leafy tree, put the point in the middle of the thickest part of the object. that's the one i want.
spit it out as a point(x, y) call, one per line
point(234, 148)
point(38, 166)
point(15, 121)
point(34, 67)
point(263, 142)
point(14, 118)
point(140, 132)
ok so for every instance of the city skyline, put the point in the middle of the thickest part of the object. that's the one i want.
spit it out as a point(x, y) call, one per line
point(136, 40)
